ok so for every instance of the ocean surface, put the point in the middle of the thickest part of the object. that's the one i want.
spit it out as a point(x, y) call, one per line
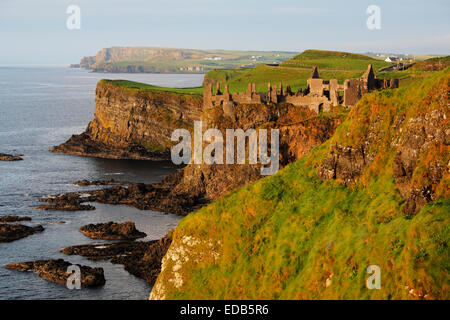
point(42, 107)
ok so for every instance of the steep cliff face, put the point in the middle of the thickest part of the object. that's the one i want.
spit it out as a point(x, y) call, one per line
point(312, 230)
point(406, 133)
point(133, 123)
point(196, 185)
point(170, 60)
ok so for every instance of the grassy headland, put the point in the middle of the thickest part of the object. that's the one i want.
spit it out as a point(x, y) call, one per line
point(296, 236)
point(139, 85)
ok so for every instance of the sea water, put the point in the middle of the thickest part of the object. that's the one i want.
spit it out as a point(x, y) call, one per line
point(41, 107)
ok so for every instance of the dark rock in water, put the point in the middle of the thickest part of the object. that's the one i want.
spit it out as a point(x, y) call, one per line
point(67, 202)
point(11, 232)
point(56, 271)
point(148, 265)
point(85, 183)
point(9, 157)
point(105, 251)
point(65, 207)
point(139, 195)
point(14, 219)
point(112, 231)
point(85, 145)
point(142, 259)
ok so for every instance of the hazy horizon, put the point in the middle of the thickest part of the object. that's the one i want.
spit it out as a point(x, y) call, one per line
point(35, 33)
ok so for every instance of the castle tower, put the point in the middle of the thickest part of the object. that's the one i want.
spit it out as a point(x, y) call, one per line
point(249, 89)
point(369, 79)
point(394, 83)
point(218, 89)
point(315, 84)
point(280, 91)
point(352, 92)
point(334, 93)
point(315, 73)
point(207, 96)
point(226, 94)
point(288, 90)
point(274, 96)
point(271, 94)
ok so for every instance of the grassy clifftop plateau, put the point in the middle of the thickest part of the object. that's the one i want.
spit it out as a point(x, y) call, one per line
point(311, 231)
point(295, 72)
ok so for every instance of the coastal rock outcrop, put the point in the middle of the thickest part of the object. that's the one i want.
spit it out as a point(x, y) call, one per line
point(14, 219)
point(67, 202)
point(9, 157)
point(56, 271)
point(182, 252)
point(112, 231)
point(147, 265)
point(133, 123)
point(107, 251)
point(142, 259)
point(139, 195)
point(11, 232)
point(85, 183)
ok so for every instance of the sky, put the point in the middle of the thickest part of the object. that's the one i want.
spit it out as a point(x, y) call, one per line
point(35, 31)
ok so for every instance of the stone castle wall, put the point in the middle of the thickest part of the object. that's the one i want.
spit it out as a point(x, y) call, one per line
point(319, 96)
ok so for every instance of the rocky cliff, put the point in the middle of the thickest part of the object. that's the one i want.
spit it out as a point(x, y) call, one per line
point(300, 131)
point(137, 124)
point(124, 118)
point(133, 123)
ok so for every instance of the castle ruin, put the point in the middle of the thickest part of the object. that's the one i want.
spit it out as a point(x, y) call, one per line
point(319, 95)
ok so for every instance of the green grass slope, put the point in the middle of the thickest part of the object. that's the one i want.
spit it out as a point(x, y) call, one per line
point(295, 236)
point(295, 72)
point(138, 85)
point(334, 60)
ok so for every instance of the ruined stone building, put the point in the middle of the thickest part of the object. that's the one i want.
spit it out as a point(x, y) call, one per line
point(319, 95)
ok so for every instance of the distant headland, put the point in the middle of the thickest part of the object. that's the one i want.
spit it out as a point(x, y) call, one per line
point(172, 60)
